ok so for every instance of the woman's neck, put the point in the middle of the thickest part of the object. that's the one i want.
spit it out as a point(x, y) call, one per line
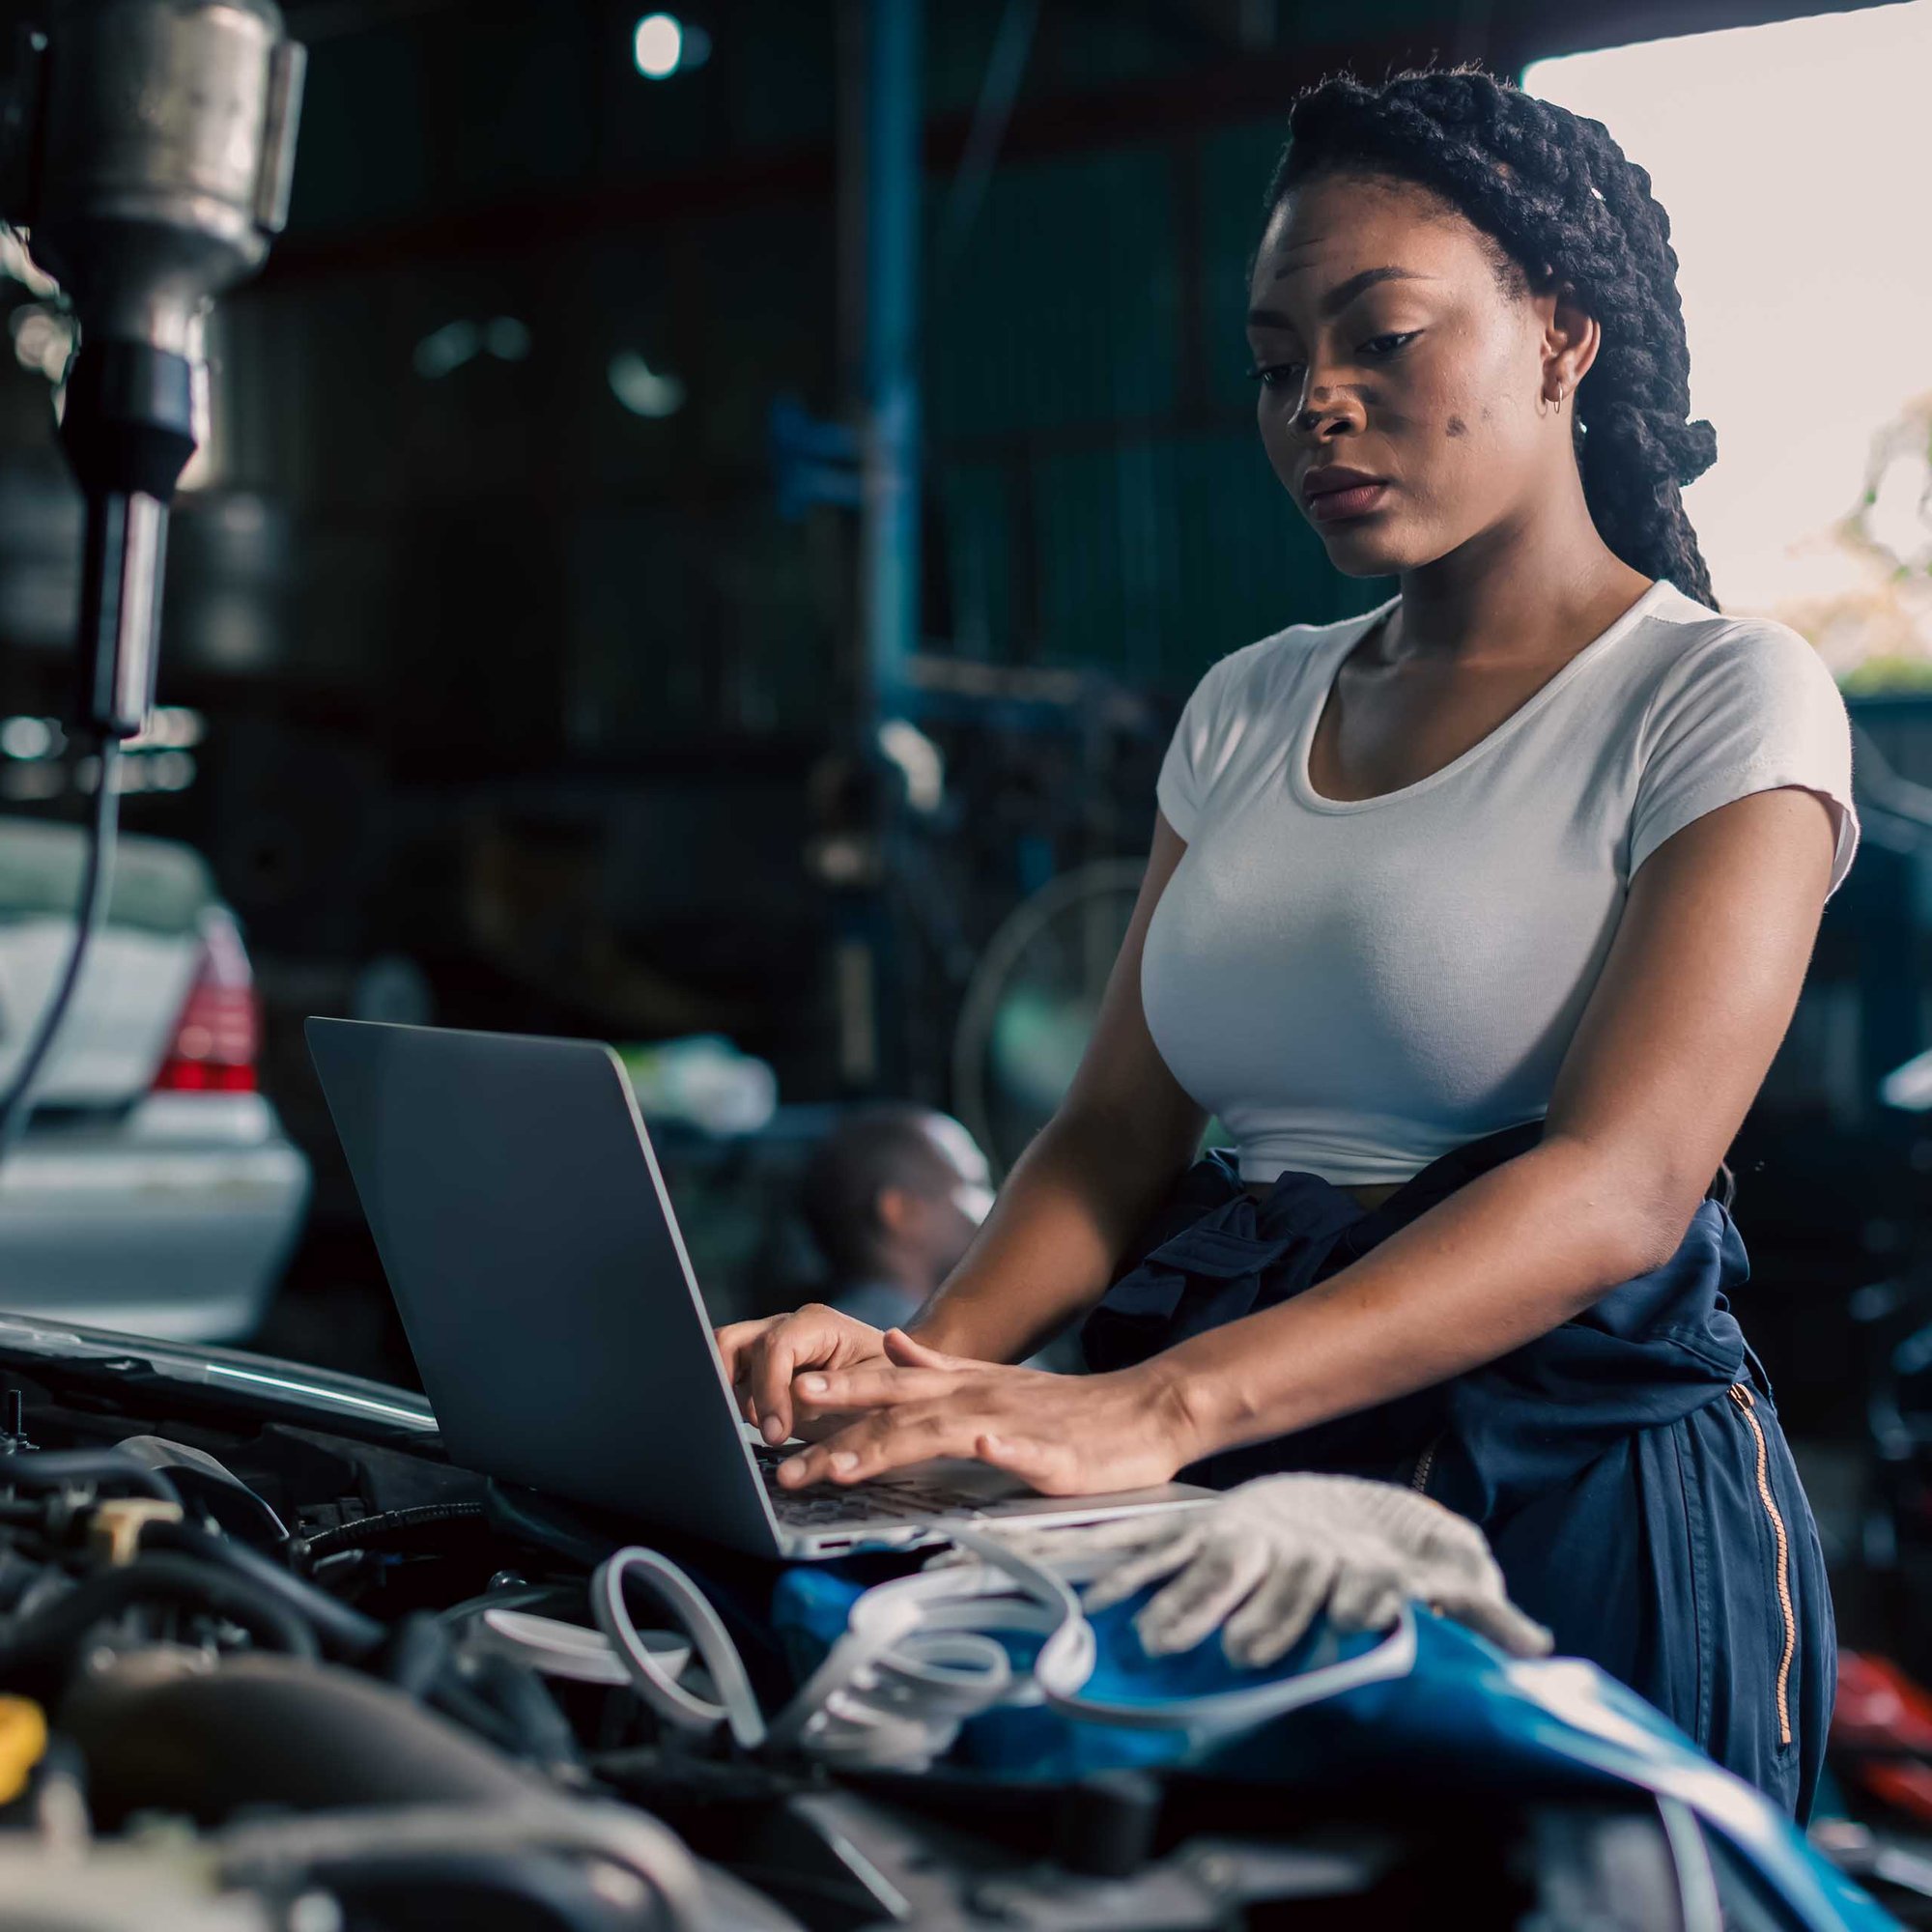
point(1511, 598)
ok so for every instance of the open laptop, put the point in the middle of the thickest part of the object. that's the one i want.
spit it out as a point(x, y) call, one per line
point(536, 1263)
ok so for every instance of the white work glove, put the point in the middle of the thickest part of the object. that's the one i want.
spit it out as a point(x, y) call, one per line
point(1260, 1564)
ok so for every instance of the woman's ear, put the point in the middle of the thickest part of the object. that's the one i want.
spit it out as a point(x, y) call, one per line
point(896, 1210)
point(1571, 338)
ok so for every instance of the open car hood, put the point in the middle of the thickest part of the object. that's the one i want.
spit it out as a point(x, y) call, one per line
point(235, 1380)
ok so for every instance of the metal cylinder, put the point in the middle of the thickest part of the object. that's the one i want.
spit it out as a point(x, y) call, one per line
point(166, 157)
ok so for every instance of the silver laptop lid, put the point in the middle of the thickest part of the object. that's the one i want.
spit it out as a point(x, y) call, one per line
point(524, 1225)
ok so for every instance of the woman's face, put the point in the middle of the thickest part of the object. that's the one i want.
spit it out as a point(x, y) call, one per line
point(1383, 343)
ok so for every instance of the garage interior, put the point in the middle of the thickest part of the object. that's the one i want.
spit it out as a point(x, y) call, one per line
point(700, 532)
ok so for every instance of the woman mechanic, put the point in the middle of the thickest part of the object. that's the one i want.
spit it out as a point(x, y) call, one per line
point(1477, 920)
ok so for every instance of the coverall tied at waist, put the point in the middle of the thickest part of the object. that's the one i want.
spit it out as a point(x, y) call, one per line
point(1628, 1467)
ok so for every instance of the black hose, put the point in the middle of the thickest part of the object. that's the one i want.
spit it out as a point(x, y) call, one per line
point(416, 1655)
point(497, 1700)
point(95, 881)
point(278, 1731)
point(345, 1630)
point(55, 1469)
point(45, 1635)
point(537, 1727)
point(390, 1524)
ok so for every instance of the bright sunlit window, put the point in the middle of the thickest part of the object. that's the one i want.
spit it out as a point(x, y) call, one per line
point(1790, 158)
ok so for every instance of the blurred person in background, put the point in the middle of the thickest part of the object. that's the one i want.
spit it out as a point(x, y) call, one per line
point(892, 1197)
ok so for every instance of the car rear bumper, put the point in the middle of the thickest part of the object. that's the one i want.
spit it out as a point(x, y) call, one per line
point(174, 1220)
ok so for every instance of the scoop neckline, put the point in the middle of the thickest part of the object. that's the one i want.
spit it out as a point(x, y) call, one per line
point(1327, 668)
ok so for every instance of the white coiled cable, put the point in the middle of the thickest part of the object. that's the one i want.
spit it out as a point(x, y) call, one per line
point(735, 1705)
point(920, 1656)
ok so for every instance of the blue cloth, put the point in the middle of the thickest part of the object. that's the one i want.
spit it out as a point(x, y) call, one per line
point(1459, 1719)
point(1614, 1463)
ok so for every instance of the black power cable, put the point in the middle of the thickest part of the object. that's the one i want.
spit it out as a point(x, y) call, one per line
point(95, 881)
point(389, 1526)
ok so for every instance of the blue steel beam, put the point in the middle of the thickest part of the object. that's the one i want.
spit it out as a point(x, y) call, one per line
point(889, 549)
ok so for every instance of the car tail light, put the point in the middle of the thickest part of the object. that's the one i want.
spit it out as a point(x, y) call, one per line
point(220, 1031)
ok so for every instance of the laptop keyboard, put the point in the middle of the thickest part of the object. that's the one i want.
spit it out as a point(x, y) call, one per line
point(910, 1497)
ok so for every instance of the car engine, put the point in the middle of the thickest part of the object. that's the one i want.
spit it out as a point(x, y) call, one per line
point(268, 1660)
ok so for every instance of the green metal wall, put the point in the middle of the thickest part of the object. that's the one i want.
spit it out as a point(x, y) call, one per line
point(1102, 492)
point(1096, 493)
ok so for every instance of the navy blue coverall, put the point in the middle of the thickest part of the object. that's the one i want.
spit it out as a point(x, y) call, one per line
point(1628, 1467)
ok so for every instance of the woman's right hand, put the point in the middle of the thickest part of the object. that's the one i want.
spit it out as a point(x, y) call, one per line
point(761, 1357)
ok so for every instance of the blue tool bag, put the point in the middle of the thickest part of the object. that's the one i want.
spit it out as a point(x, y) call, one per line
point(1628, 1467)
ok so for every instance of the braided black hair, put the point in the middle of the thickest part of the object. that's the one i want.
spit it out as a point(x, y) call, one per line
point(1562, 204)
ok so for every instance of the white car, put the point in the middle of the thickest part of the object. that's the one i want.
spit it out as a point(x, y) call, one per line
point(155, 1190)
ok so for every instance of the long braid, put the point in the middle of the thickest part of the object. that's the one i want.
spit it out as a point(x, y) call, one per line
point(1559, 196)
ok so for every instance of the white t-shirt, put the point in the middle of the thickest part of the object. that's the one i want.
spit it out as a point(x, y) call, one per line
point(1354, 988)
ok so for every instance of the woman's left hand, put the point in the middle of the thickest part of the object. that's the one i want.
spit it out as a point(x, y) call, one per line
point(1066, 1435)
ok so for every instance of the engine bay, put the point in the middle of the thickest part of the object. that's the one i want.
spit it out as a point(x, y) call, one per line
point(268, 1659)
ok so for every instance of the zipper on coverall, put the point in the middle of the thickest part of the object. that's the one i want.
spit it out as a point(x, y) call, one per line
point(1747, 1408)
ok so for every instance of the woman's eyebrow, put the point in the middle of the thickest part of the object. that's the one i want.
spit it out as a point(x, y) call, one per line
point(1342, 294)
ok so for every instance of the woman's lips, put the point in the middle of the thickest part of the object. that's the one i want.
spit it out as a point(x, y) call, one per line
point(1334, 504)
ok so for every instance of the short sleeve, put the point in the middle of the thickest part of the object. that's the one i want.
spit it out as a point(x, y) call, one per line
point(1202, 744)
point(1752, 710)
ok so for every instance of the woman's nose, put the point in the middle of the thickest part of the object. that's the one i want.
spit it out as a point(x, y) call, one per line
point(1314, 414)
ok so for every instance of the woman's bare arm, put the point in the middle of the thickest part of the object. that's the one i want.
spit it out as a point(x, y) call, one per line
point(1091, 1178)
point(1074, 1199)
